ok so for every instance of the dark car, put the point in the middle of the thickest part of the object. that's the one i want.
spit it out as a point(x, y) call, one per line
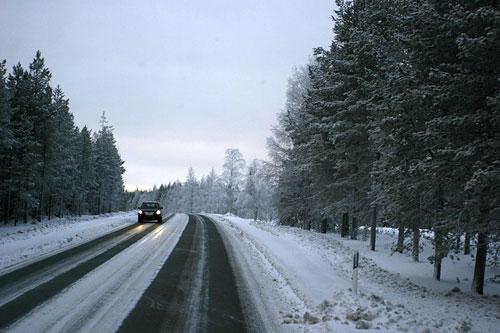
point(150, 210)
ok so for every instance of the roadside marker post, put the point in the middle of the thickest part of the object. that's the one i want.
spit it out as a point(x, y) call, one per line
point(355, 265)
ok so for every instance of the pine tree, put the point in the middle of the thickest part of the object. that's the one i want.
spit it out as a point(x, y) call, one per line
point(6, 142)
point(108, 168)
point(47, 164)
point(86, 179)
point(38, 108)
point(289, 176)
point(401, 116)
point(61, 161)
point(24, 157)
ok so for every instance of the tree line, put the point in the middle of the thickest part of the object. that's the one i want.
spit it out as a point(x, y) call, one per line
point(398, 122)
point(48, 166)
point(240, 189)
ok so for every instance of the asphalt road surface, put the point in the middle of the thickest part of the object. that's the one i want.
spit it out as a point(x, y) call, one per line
point(193, 290)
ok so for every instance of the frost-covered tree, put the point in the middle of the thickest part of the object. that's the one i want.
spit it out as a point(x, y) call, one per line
point(289, 175)
point(256, 193)
point(232, 176)
point(400, 122)
point(108, 169)
point(211, 193)
point(191, 192)
point(252, 192)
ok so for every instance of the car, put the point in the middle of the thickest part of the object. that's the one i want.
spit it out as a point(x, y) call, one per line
point(150, 210)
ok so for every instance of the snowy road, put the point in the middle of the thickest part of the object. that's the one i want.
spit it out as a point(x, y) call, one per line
point(218, 273)
point(174, 277)
point(195, 291)
point(30, 278)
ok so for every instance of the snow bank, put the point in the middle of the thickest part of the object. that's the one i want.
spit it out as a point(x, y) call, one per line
point(27, 242)
point(307, 277)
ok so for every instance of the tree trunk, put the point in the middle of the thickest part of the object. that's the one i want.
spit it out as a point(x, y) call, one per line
point(42, 189)
point(7, 211)
point(354, 228)
point(467, 243)
point(480, 266)
point(415, 248)
point(16, 212)
point(306, 221)
point(41, 203)
point(99, 203)
point(61, 207)
point(438, 235)
point(49, 208)
point(373, 229)
point(344, 229)
point(25, 213)
point(401, 238)
point(457, 243)
point(324, 225)
point(438, 254)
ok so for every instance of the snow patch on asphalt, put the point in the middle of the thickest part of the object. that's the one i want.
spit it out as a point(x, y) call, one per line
point(307, 277)
point(102, 299)
point(25, 243)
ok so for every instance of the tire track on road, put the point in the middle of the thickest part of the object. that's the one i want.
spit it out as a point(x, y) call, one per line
point(19, 281)
point(195, 290)
point(23, 304)
point(225, 312)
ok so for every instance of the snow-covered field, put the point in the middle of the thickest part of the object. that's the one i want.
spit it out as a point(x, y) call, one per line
point(303, 281)
point(26, 242)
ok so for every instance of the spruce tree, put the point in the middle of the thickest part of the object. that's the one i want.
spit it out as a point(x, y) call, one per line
point(6, 141)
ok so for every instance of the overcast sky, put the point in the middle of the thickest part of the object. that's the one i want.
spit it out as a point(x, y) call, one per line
point(180, 81)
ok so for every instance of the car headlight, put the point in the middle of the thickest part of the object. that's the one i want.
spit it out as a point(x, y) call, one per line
point(158, 212)
point(140, 212)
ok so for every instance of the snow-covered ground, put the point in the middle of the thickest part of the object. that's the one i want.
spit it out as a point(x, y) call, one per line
point(26, 242)
point(457, 268)
point(302, 280)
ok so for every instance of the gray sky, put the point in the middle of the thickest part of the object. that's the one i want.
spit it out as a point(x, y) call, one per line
point(180, 81)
